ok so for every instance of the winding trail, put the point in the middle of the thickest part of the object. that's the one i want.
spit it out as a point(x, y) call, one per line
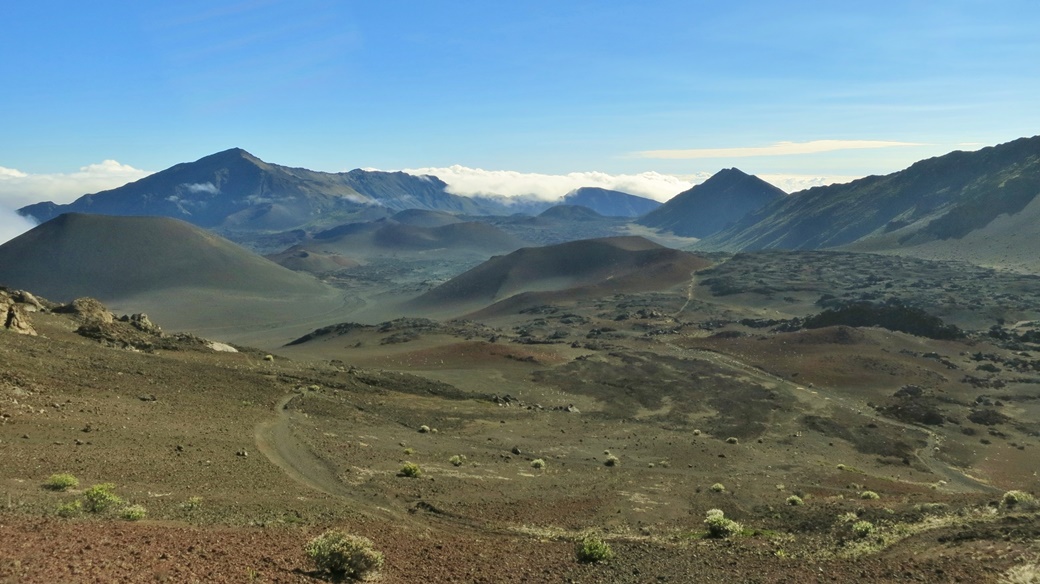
point(274, 440)
point(956, 479)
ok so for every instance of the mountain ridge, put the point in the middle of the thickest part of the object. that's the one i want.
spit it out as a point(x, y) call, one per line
point(939, 198)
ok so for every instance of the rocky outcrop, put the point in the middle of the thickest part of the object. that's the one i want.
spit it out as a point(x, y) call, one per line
point(89, 310)
point(14, 311)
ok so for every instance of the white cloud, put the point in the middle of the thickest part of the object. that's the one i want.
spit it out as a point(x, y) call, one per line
point(790, 183)
point(18, 188)
point(206, 187)
point(778, 149)
point(12, 224)
point(466, 181)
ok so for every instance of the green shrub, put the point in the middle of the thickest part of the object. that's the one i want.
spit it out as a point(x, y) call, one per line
point(795, 500)
point(133, 512)
point(719, 526)
point(70, 509)
point(192, 503)
point(862, 528)
point(61, 482)
point(1022, 574)
point(718, 488)
point(869, 495)
point(410, 470)
point(409, 451)
point(337, 552)
point(538, 463)
point(100, 497)
point(1019, 501)
point(457, 460)
point(592, 549)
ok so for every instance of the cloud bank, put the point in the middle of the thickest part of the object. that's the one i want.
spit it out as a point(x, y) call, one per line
point(18, 188)
point(778, 149)
point(12, 224)
point(469, 182)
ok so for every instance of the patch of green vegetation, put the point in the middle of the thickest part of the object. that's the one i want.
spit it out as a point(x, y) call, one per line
point(192, 504)
point(100, 497)
point(862, 528)
point(71, 509)
point(591, 549)
point(343, 554)
point(718, 488)
point(795, 501)
point(538, 463)
point(133, 512)
point(719, 526)
point(1019, 501)
point(457, 460)
point(869, 495)
point(61, 482)
point(410, 470)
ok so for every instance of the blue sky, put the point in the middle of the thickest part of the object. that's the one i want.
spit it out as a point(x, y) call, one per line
point(679, 88)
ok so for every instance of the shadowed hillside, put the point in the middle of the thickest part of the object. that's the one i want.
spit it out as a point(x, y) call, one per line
point(390, 237)
point(713, 205)
point(595, 266)
point(940, 199)
point(610, 203)
point(187, 277)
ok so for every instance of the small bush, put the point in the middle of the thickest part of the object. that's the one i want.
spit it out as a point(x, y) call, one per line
point(337, 552)
point(70, 509)
point(719, 526)
point(718, 488)
point(410, 470)
point(848, 517)
point(100, 498)
point(869, 495)
point(1019, 501)
point(133, 512)
point(424, 429)
point(732, 440)
point(409, 451)
point(862, 528)
point(612, 461)
point(457, 460)
point(192, 503)
point(795, 501)
point(61, 482)
point(1022, 574)
point(592, 549)
point(538, 463)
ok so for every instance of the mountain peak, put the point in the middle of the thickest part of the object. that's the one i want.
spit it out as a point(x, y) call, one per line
point(713, 205)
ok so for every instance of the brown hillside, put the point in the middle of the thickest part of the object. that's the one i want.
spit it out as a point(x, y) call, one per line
point(385, 236)
point(184, 276)
point(573, 269)
point(111, 257)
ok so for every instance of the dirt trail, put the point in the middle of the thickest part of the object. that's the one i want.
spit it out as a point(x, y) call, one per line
point(274, 440)
point(956, 480)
